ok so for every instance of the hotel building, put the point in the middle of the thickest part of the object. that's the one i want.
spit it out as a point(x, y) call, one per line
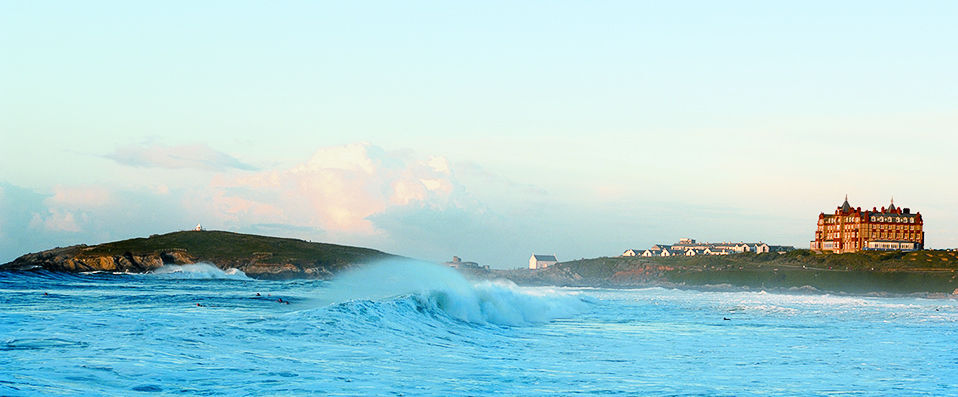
point(886, 229)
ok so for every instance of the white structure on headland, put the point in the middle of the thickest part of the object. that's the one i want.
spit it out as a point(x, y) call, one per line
point(198, 228)
point(542, 261)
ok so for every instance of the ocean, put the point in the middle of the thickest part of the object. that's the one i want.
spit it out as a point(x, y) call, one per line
point(418, 329)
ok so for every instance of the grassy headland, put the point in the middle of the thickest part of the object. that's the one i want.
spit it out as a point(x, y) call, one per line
point(863, 272)
point(257, 256)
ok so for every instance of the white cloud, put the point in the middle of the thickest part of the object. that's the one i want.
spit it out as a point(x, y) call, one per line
point(56, 220)
point(337, 189)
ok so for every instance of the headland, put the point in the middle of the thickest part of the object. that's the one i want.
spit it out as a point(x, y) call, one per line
point(866, 272)
point(260, 257)
point(264, 257)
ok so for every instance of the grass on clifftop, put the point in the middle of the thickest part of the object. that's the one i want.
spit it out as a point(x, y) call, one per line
point(229, 246)
point(866, 261)
point(872, 271)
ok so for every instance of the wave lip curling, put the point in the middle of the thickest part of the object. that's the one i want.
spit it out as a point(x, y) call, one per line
point(446, 291)
point(198, 271)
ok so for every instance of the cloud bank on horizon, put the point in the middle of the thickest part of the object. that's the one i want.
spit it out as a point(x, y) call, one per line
point(347, 194)
point(400, 201)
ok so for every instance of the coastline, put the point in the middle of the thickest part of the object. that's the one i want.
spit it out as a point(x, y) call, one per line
point(756, 272)
point(928, 273)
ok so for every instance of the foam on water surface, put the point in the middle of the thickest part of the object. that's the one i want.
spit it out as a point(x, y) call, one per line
point(198, 271)
point(414, 330)
point(443, 289)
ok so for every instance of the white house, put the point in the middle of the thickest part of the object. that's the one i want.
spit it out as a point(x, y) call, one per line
point(760, 248)
point(650, 252)
point(710, 251)
point(632, 252)
point(542, 261)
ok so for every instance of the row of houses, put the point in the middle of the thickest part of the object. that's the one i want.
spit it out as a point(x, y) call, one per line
point(689, 247)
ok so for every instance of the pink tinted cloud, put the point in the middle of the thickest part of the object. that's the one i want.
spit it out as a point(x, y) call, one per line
point(337, 189)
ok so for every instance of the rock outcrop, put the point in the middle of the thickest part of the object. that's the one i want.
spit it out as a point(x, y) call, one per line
point(74, 259)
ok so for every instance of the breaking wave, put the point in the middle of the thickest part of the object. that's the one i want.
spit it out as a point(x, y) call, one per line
point(198, 271)
point(415, 288)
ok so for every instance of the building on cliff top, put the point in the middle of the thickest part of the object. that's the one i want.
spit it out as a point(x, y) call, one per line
point(542, 261)
point(458, 263)
point(851, 229)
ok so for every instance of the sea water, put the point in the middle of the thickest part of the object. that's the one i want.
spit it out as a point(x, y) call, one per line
point(425, 330)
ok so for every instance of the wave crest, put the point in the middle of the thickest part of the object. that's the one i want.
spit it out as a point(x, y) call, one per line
point(438, 290)
point(198, 271)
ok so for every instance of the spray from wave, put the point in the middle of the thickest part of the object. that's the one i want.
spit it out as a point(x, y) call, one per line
point(436, 289)
point(198, 271)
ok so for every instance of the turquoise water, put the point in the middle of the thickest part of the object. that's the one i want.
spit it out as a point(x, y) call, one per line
point(424, 330)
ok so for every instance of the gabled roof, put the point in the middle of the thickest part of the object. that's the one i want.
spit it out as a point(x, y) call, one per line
point(545, 257)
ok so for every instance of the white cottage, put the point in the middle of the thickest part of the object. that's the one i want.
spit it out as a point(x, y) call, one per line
point(542, 261)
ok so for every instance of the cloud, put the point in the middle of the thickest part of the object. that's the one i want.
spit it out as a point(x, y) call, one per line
point(80, 196)
point(199, 156)
point(56, 220)
point(337, 189)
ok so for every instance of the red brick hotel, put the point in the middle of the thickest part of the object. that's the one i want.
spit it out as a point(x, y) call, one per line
point(886, 229)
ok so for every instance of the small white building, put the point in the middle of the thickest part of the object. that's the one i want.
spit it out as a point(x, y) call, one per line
point(633, 252)
point(760, 248)
point(198, 228)
point(710, 251)
point(542, 261)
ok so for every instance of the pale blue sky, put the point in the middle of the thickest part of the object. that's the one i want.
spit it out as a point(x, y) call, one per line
point(579, 128)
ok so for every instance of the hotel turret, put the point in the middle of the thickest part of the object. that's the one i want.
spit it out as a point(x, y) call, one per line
point(886, 229)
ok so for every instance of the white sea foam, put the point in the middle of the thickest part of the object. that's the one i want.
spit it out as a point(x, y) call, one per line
point(198, 271)
point(444, 289)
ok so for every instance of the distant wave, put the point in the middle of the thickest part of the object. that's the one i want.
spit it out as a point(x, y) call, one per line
point(198, 271)
point(404, 288)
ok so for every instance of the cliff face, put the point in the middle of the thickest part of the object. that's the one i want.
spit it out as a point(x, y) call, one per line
point(71, 259)
point(257, 256)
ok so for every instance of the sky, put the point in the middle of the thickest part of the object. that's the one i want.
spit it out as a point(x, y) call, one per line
point(487, 130)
